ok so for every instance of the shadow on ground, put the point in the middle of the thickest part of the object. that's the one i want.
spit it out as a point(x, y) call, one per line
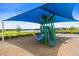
point(29, 43)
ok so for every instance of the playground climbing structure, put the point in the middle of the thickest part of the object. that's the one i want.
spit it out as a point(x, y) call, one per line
point(47, 35)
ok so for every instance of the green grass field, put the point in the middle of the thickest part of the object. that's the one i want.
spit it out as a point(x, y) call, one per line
point(13, 34)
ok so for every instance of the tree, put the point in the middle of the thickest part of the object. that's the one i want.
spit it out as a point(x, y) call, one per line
point(18, 29)
point(64, 28)
point(72, 28)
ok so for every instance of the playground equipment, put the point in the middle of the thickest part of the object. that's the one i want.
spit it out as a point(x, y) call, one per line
point(66, 12)
point(47, 35)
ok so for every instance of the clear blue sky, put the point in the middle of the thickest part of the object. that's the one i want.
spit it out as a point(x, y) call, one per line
point(10, 10)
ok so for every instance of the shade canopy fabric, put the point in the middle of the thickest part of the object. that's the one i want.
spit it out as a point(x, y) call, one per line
point(64, 10)
point(8, 10)
point(64, 13)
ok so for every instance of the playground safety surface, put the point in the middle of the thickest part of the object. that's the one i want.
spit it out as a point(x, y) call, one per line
point(68, 45)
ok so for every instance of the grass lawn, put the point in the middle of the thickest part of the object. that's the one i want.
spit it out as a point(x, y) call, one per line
point(13, 34)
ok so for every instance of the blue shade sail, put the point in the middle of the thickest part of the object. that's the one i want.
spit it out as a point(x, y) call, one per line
point(61, 9)
point(67, 10)
point(64, 13)
point(76, 12)
point(31, 16)
point(8, 10)
point(62, 19)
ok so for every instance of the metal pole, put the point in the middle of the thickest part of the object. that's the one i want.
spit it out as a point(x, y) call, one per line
point(2, 31)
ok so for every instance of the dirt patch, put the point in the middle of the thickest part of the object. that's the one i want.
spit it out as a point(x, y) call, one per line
point(27, 46)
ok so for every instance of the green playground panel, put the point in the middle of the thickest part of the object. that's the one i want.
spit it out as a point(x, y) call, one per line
point(48, 31)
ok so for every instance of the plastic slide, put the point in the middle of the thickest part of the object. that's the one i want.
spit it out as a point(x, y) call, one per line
point(40, 38)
